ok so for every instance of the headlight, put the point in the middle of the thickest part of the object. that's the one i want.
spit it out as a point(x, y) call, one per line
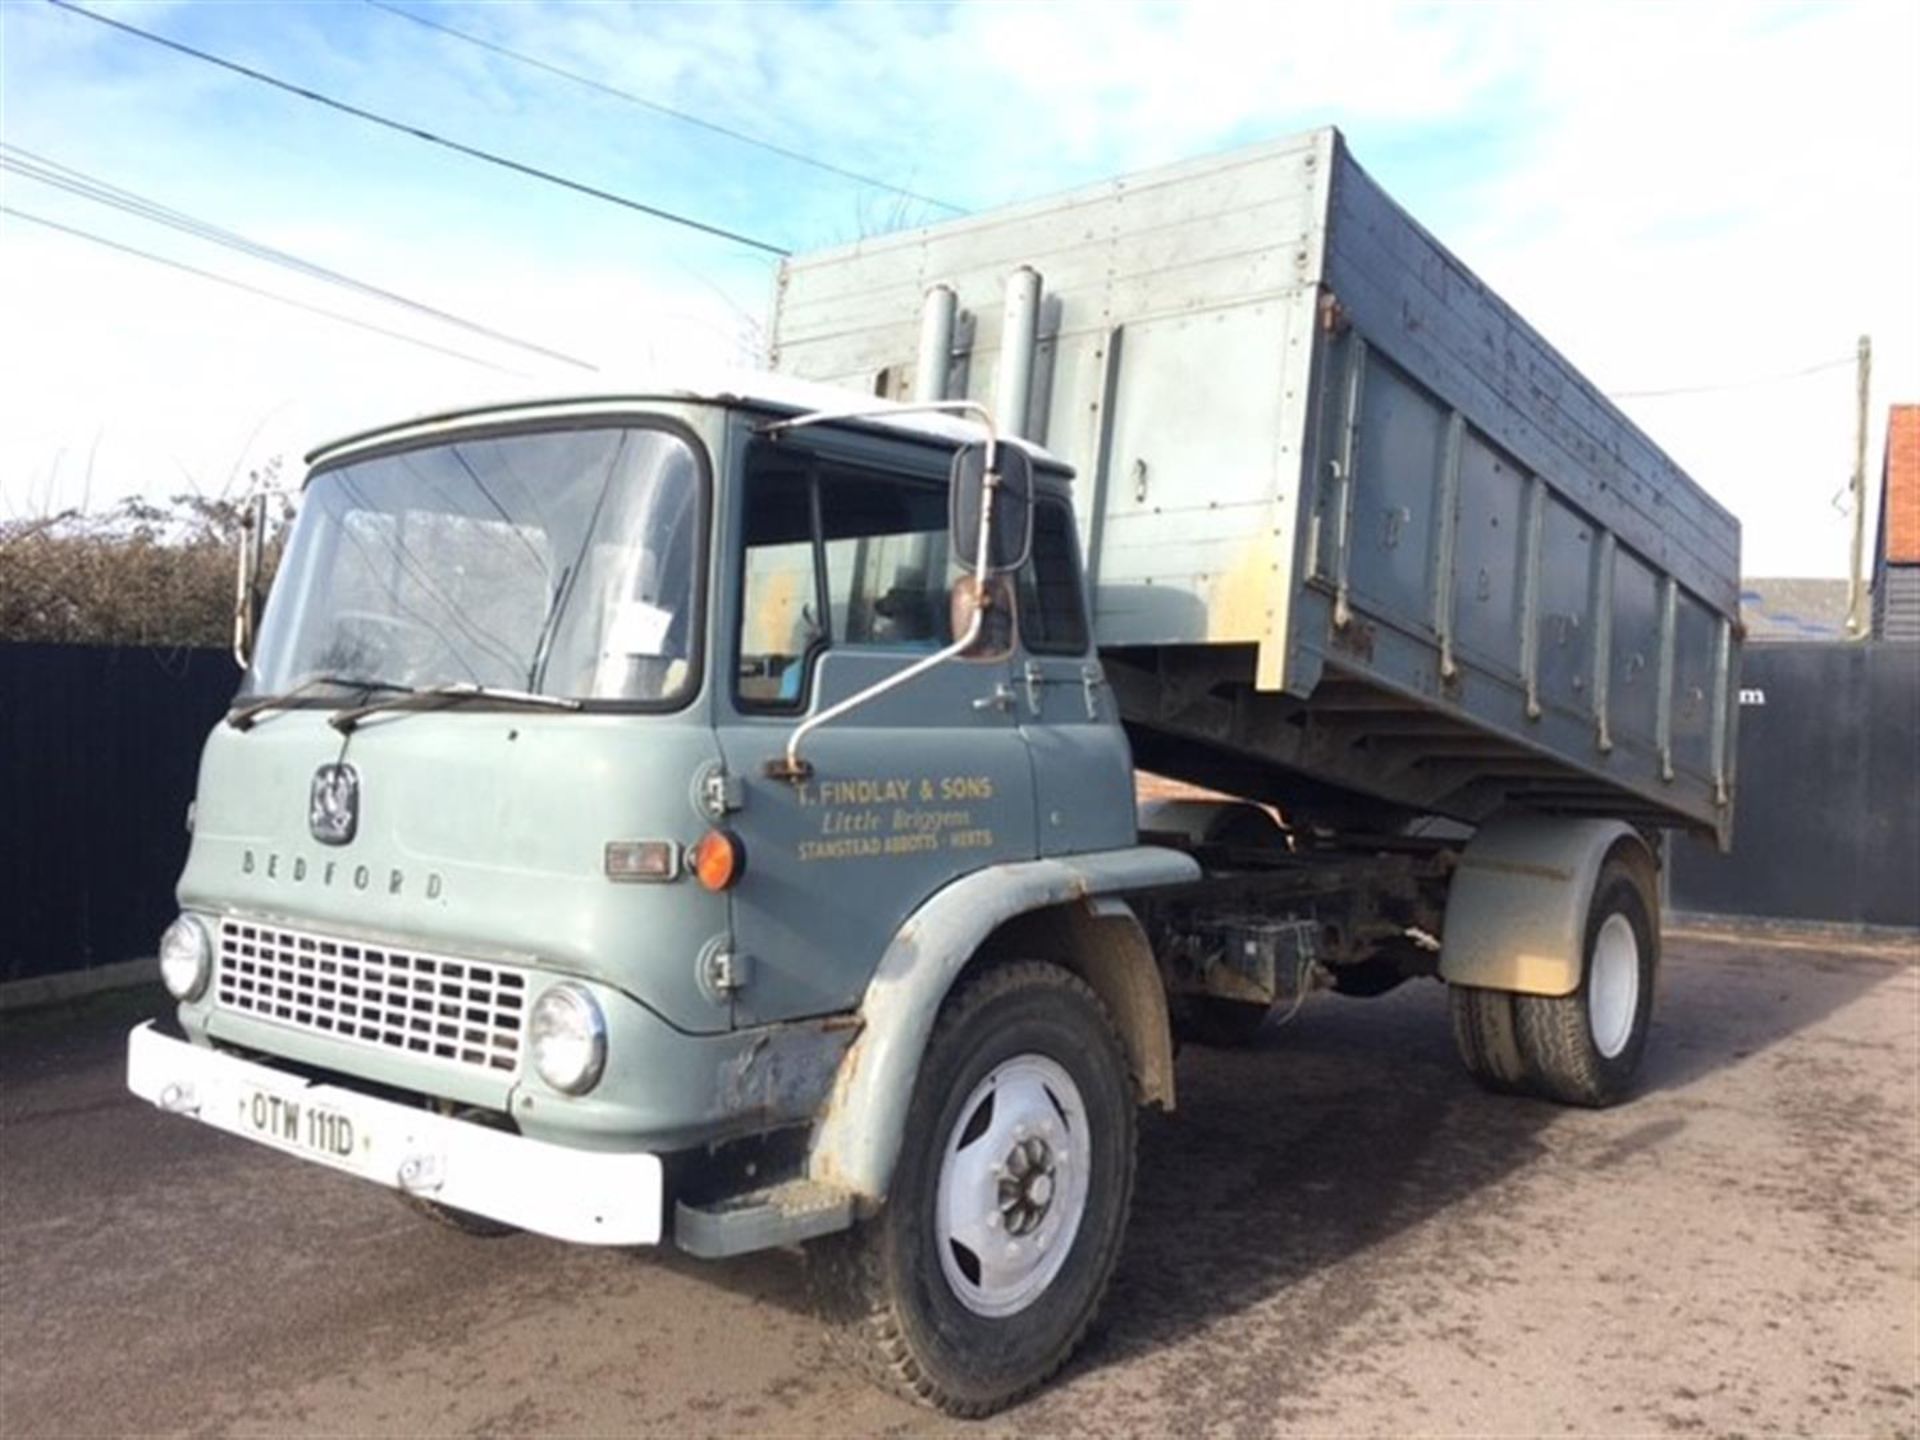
point(569, 1038)
point(186, 958)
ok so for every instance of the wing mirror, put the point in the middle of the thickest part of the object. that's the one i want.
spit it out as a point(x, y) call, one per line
point(997, 500)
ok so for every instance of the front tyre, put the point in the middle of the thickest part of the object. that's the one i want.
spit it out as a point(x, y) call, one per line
point(980, 1276)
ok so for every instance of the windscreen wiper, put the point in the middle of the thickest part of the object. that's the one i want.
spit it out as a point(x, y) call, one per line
point(452, 694)
point(245, 717)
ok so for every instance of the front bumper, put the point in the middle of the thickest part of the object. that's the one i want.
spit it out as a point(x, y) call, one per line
point(590, 1197)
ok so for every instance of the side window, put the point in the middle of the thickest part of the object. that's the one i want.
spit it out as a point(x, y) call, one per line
point(834, 558)
point(781, 620)
point(1053, 617)
point(886, 544)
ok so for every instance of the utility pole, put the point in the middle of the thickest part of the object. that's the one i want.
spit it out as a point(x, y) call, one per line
point(1856, 588)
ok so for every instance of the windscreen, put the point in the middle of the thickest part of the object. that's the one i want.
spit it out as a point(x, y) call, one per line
point(563, 562)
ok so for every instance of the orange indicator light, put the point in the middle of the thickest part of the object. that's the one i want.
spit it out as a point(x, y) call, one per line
point(719, 860)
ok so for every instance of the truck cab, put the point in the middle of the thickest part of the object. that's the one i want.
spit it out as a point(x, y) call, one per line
point(491, 831)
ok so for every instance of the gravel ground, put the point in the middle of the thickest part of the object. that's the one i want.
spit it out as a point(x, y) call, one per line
point(1336, 1233)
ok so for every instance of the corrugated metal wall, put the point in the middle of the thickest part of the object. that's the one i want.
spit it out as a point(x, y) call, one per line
point(1896, 604)
point(1827, 813)
point(99, 747)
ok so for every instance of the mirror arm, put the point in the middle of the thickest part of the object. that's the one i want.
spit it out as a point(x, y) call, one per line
point(790, 766)
point(989, 482)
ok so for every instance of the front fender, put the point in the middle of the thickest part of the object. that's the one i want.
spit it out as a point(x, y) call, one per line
point(858, 1139)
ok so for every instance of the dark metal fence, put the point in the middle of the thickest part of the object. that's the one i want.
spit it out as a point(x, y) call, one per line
point(1827, 818)
point(98, 750)
point(99, 747)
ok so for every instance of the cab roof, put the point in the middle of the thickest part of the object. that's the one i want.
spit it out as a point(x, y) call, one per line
point(758, 390)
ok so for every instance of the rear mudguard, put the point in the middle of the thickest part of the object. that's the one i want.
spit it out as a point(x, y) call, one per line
point(1517, 905)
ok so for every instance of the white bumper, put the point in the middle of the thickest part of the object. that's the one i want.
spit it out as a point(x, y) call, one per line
point(592, 1197)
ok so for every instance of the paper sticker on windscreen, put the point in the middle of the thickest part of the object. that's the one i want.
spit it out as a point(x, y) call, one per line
point(637, 629)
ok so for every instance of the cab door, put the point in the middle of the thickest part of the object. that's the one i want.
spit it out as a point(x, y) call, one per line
point(1082, 763)
point(842, 571)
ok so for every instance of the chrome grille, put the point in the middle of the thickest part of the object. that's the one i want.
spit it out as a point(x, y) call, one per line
point(463, 1011)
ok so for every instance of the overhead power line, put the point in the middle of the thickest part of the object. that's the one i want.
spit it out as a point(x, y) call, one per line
point(45, 171)
point(474, 152)
point(265, 294)
point(1833, 364)
point(684, 116)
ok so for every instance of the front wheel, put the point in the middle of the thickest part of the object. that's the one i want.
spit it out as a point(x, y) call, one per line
point(1008, 1203)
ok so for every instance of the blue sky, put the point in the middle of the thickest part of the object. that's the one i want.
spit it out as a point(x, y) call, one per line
point(1678, 195)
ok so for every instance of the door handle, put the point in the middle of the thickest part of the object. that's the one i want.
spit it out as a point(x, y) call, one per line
point(1091, 681)
point(1000, 699)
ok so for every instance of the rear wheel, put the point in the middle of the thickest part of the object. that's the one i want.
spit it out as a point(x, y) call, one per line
point(1008, 1203)
point(1484, 1034)
point(1584, 1048)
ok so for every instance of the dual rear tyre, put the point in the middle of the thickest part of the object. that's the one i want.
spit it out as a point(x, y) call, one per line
point(1583, 1048)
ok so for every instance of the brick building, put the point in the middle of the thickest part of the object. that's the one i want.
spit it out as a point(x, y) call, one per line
point(1896, 555)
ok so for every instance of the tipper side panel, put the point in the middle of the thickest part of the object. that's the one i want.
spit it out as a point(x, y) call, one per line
point(1514, 595)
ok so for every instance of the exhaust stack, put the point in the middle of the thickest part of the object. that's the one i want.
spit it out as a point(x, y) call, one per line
point(936, 344)
point(1020, 328)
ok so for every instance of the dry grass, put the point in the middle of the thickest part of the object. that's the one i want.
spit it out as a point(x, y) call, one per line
point(137, 574)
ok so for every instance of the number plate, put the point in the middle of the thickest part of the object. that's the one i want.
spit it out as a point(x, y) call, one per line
point(293, 1122)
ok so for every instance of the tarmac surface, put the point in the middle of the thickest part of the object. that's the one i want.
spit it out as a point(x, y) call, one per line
point(1336, 1233)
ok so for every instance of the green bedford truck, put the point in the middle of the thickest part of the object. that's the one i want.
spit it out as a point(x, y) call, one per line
point(705, 815)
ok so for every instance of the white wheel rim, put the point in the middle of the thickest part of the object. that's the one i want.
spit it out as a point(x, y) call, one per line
point(1013, 1185)
point(1613, 985)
